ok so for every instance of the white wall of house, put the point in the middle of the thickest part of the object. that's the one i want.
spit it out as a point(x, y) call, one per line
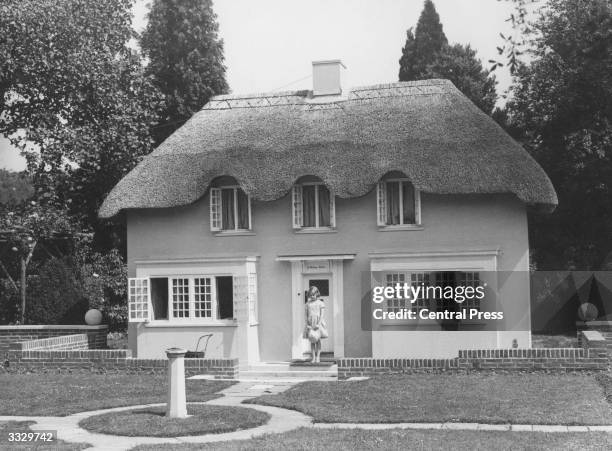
point(450, 223)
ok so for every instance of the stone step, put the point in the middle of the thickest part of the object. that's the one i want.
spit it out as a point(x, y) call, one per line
point(292, 374)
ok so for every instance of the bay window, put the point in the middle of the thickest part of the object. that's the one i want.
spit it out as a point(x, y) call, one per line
point(181, 298)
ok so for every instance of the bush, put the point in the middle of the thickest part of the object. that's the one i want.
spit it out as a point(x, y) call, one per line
point(53, 296)
point(60, 290)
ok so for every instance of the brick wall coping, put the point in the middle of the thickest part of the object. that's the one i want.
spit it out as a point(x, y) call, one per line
point(42, 343)
point(53, 327)
point(593, 336)
point(594, 323)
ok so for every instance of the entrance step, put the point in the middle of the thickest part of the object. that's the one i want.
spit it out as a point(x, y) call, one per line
point(285, 370)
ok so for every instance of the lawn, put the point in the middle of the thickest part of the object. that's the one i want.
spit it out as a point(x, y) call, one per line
point(24, 426)
point(525, 398)
point(344, 439)
point(152, 422)
point(63, 394)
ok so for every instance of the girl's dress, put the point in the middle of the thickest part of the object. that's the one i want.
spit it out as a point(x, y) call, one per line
point(314, 319)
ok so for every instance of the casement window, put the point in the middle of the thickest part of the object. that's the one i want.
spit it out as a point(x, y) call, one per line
point(413, 279)
point(230, 209)
point(180, 298)
point(313, 206)
point(398, 203)
point(432, 299)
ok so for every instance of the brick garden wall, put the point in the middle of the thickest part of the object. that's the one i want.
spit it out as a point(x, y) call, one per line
point(592, 357)
point(96, 335)
point(61, 343)
point(83, 349)
point(110, 361)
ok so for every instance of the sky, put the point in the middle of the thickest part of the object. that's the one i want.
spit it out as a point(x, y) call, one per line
point(270, 44)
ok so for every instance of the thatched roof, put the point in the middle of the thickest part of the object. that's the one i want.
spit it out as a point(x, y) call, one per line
point(427, 129)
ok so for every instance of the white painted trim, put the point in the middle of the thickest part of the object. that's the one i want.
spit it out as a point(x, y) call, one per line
point(208, 259)
point(439, 253)
point(296, 303)
point(300, 258)
point(338, 302)
point(169, 323)
point(435, 261)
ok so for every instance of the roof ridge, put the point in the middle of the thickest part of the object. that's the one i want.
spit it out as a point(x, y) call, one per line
point(286, 98)
point(306, 92)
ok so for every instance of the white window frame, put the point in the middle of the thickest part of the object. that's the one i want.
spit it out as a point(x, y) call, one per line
point(191, 313)
point(216, 209)
point(139, 299)
point(298, 207)
point(381, 205)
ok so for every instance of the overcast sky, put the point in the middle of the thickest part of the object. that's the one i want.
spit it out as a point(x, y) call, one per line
point(270, 44)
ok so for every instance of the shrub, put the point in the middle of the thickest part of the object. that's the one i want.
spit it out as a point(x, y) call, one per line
point(53, 296)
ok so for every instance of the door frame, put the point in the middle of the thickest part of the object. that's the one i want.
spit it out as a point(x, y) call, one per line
point(332, 268)
point(329, 310)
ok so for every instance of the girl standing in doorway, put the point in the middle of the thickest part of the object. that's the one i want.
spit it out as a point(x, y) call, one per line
point(315, 328)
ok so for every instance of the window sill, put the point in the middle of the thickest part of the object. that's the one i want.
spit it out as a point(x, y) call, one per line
point(235, 233)
point(400, 228)
point(191, 323)
point(307, 230)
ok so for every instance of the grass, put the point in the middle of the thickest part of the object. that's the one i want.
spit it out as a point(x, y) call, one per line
point(64, 394)
point(24, 426)
point(152, 422)
point(345, 439)
point(117, 340)
point(554, 341)
point(526, 398)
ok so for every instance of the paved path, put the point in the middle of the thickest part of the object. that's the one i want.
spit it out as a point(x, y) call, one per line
point(281, 420)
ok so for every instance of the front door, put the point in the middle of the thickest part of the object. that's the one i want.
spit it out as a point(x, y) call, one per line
point(324, 284)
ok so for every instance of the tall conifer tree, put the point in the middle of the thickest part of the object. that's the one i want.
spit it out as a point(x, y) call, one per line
point(185, 58)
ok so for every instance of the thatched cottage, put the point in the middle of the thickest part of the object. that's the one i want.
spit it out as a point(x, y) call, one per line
point(257, 197)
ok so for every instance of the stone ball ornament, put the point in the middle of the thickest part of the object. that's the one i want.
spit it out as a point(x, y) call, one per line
point(93, 317)
point(587, 312)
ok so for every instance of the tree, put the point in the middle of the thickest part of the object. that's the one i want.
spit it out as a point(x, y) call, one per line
point(561, 109)
point(15, 187)
point(74, 98)
point(427, 54)
point(428, 40)
point(185, 58)
point(22, 228)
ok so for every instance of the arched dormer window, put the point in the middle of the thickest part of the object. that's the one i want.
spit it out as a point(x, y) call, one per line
point(398, 202)
point(230, 206)
point(314, 206)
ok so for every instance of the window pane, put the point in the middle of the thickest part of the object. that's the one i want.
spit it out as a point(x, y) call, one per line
point(308, 202)
point(409, 204)
point(159, 297)
point(203, 297)
point(324, 217)
point(180, 298)
point(225, 297)
point(393, 210)
point(243, 210)
point(227, 209)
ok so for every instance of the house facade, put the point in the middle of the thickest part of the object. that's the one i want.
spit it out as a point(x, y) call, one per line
point(258, 197)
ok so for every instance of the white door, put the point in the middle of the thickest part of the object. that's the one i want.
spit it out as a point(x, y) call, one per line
point(324, 284)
